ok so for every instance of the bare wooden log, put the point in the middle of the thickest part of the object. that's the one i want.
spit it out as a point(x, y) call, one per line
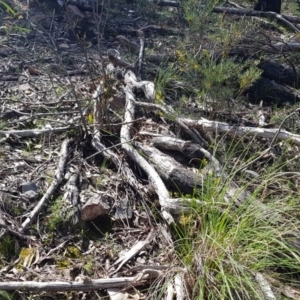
point(87, 284)
point(160, 188)
point(107, 153)
point(176, 206)
point(97, 205)
point(34, 132)
point(187, 148)
point(170, 293)
point(113, 56)
point(59, 174)
point(186, 181)
point(150, 28)
point(179, 287)
point(14, 232)
point(117, 294)
point(146, 86)
point(221, 127)
point(255, 13)
point(174, 175)
point(168, 110)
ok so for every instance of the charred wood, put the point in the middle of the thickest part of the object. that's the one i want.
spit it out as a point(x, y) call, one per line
point(280, 73)
point(272, 92)
point(268, 5)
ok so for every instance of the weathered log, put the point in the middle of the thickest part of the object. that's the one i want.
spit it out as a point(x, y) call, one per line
point(188, 149)
point(175, 176)
point(183, 180)
point(86, 284)
point(237, 131)
point(272, 92)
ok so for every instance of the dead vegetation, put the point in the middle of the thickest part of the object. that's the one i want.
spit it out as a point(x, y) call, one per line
point(124, 133)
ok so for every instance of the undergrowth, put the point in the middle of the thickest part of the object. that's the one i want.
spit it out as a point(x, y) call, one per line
point(226, 249)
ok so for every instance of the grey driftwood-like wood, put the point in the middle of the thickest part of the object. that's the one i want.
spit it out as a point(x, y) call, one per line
point(119, 164)
point(175, 176)
point(134, 250)
point(265, 286)
point(181, 179)
point(96, 206)
point(168, 205)
point(146, 86)
point(58, 177)
point(86, 284)
point(281, 47)
point(189, 149)
point(125, 137)
point(107, 153)
point(34, 132)
point(221, 127)
point(70, 200)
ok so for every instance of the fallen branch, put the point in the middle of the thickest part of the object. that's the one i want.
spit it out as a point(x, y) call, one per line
point(160, 188)
point(187, 181)
point(86, 285)
point(55, 183)
point(141, 54)
point(188, 149)
point(219, 127)
point(34, 132)
point(107, 153)
point(174, 175)
point(116, 61)
point(70, 200)
point(133, 251)
point(122, 166)
point(146, 86)
point(170, 111)
point(255, 13)
point(14, 232)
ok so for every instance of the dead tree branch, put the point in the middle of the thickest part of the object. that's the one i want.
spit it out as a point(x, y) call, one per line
point(219, 127)
point(59, 174)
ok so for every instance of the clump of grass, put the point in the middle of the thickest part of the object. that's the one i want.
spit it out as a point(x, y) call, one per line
point(163, 82)
point(5, 296)
point(227, 248)
point(7, 7)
